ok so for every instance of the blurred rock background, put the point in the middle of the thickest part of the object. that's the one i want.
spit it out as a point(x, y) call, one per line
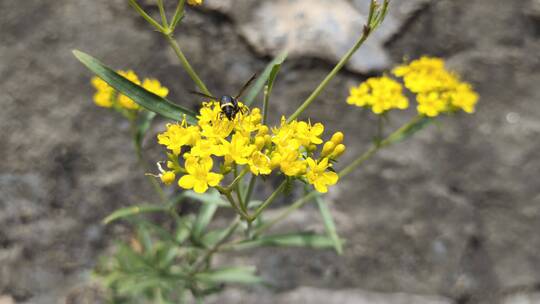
point(451, 216)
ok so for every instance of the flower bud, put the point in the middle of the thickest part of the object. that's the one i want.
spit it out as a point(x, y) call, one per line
point(167, 177)
point(263, 130)
point(337, 138)
point(328, 148)
point(338, 151)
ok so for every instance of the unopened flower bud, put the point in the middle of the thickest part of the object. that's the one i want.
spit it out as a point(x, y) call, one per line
point(338, 151)
point(259, 142)
point(328, 148)
point(167, 177)
point(337, 138)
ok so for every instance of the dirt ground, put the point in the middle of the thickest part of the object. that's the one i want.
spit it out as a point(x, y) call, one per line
point(453, 213)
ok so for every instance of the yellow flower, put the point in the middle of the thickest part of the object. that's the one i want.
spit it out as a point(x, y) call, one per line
point(259, 163)
point(308, 134)
point(123, 100)
point(178, 136)
point(464, 97)
point(289, 162)
point(204, 148)
point(199, 176)
point(380, 94)
point(238, 149)
point(438, 90)
point(319, 177)
point(194, 2)
point(154, 86)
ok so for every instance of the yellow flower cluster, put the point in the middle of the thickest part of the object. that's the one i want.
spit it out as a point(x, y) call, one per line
point(289, 148)
point(107, 97)
point(380, 94)
point(438, 90)
point(194, 2)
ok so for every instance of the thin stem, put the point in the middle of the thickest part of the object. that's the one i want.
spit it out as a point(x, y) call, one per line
point(237, 179)
point(178, 14)
point(268, 201)
point(329, 77)
point(229, 231)
point(147, 17)
point(265, 103)
point(187, 66)
point(249, 192)
point(234, 205)
point(299, 203)
point(142, 162)
point(162, 14)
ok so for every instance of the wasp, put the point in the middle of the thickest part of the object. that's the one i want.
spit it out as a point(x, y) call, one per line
point(229, 104)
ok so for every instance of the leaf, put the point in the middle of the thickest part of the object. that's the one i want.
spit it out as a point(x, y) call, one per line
point(141, 96)
point(240, 274)
point(410, 130)
point(131, 211)
point(305, 239)
point(206, 213)
point(329, 224)
point(263, 78)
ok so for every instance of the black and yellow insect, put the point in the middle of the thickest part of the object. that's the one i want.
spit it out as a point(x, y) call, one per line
point(229, 105)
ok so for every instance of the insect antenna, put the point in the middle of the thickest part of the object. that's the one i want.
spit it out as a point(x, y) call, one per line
point(246, 85)
point(202, 95)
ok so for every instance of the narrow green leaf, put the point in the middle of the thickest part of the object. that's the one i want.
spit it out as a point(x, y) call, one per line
point(141, 96)
point(240, 274)
point(131, 211)
point(206, 213)
point(329, 224)
point(412, 129)
point(287, 240)
point(263, 78)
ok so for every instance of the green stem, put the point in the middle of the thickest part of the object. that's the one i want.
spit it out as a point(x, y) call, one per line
point(268, 201)
point(299, 203)
point(265, 103)
point(233, 203)
point(229, 231)
point(147, 17)
point(178, 14)
point(237, 179)
point(187, 66)
point(162, 14)
point(249, 192)
point(330, 76)
point(142, 162)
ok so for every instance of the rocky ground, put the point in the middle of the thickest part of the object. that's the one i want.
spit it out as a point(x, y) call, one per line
point(451, 216)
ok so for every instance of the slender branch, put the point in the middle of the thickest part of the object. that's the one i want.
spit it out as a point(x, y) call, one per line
point(229, 231)
point(237, 179)
point(162, 14)
point(147, 17)
point(268, 201)
point(330, 76)
point(185, 63)
point(249, 192)
point(178, 14)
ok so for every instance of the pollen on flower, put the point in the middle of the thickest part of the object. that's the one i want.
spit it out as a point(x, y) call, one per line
point(246, 142)
point(437, 89)
point(380, 94)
